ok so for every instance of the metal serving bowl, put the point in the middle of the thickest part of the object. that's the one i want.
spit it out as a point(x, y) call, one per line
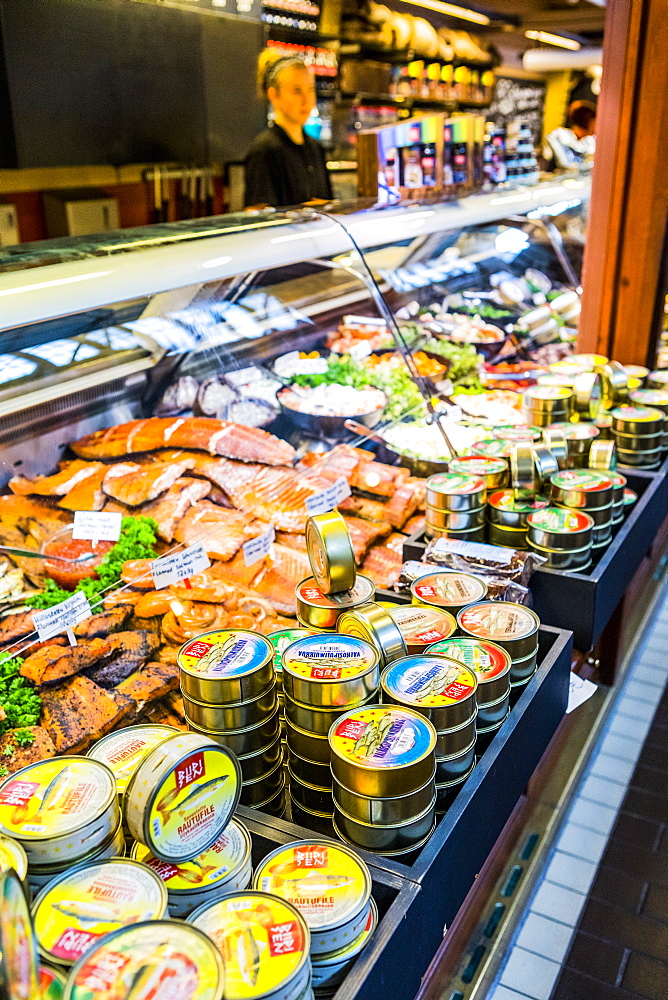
point(320, 425)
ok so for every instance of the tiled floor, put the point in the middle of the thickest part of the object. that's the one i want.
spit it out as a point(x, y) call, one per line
point(612, 848)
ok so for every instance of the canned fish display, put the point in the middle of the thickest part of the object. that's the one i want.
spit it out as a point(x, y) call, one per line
point(559, 529)
point(640, 420)
point(511, 508)
point(316, 721)
point(330, 970)
point(489, 661)
point(321, 822)
point(259, 790)
point(587, 388)
point(494, 471)
point(264, 942)
point(244, 741)
point(446, 520)
point(603, 456)
point(449, 591)
point(514, 627)
point(518, 433)
point(521, 467)
point(451, 742)
point(327, 883)
point(318, 610)
point(382, 750)
point(330, 671)
point(383, 811)
point(256, 765)
point(475, 534)
point(182, 796)
point(555, 440)
point(275, 805)
point(309, 772)
point(456, 492)
point(223, 717)
point(372, 623)
point(280, 640)
point(135, 958)
point(452, 768)
point(225, 867)
point(618, 485)
point(330, 552)
point(547, 404)
point(397, 837)
point(658, 379)
point(523, 668)
point(441, 689)
point(19, 965)
point(406, 855)
point(309, 796)
point(585, 489)
point(420, 626)
point(544, 466)
point(493, 711)
point(74, 910)
point(112, 847)
point(614, 384)
point(507, 538)
point(307, 745)
point(226, 667)
point(123, 751)
point(63, 806)
point(578, 440)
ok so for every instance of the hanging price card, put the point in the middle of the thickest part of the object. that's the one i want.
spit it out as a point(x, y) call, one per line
point(257, 548)
point(62, 617)
point(330, 498)
point(179, 566)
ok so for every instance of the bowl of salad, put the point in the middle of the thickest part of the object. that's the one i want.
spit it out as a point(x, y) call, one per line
point(322, 411)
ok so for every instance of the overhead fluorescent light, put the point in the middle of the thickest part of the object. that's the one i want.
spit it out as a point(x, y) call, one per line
point(550, 39)
point(452, 9)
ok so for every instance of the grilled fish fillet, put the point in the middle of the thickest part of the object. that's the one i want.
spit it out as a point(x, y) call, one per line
point(169, 510)
point(128, 651)
point(218, 437)
point(16, 626)
point(136, 484)
point(57, 485)
point(40, 749)
point(153, 681)
point(79, 712)
point(56, 663)
point(101, 625)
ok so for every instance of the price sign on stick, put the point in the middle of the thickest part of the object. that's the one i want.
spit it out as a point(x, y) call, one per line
point(96, 526)
point(330, 498)
point(62, 617)
point(257, 548)
point(179, 566)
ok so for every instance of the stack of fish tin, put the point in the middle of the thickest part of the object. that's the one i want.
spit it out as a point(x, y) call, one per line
point(543, 405)
point(331, 887)
point(229, 695)
point(639, 435)
point(658, 379)
point(280, 640)
point(383, 766)
point(456, 506)
point(514, 627)
point(563, 537)
point(444, 691)
point(375, 625)
point(657, 398)
point(323, 677)
point(493, 469)
point(579, 438)
point(507, 516)
point(590, 492)
point(448, 591)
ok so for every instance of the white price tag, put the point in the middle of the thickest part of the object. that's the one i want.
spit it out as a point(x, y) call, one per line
point(179, 566)
point(580, 690)
point(360, 350)
point(310, 366)
point(330, 498)
point(243, 376)
point(62, 617)
point(257, 548)
point(94, 525)
point(363, 321)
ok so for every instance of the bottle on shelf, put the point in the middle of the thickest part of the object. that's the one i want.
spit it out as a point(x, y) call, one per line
point(428, 164)
point(448, 165)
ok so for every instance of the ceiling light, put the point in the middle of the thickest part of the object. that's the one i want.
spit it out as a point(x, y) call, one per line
point(452, 9)
point(550, 39)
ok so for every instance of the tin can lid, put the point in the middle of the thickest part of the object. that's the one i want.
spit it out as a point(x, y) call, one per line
point(51, 983)
point(78, 907)
point(450, 483)
point(590, 361)
point(326, 882)
point(576, 432)
point(422, 624)
point(449, 590)
point(13, 857)
point(630, 497)
point(264, 940)
point(492, 447)
point(214, 866)
point(651, 397)
point(309, 592)
point(485, 658)
point(517, 501)
point(334, 657)
point(18, 949)
point(54, 797)
point(498, 620)
point(382, 737)
point(222, 654)
point(547, 392)
point(637, 414)
point(123, 751)
point(583, 480)
point(520, 432)
point(283, 638)
point(478, 465)
point(618, 480)
point(165, 955)
point(661, 375)
point(431, 681)
point(562, 520)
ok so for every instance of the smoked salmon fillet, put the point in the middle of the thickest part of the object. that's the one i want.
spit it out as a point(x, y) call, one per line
point(137, 484)
point(57, 485)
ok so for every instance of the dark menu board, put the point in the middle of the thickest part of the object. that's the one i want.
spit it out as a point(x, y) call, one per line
point(519, 100)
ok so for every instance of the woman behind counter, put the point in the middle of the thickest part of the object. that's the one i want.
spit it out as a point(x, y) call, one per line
point(285, 166)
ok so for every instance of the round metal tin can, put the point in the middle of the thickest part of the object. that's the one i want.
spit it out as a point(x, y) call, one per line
point(542, 418)
point(124, 750)
point(582, 488)
point(523, 668)
point(468, 535)
point(308, 772)
point(406, 855)
point(382, 750)
point(565, 559)
point(614, 384)
point(307, 745)
point(136, 957)
point(317, 721)
point(449, 591)
point(103, 895)
point(421, 625)
point(640, 459)
point(311, 630)
point(244, 741)
point(578, 439)
point(329, 885)
point(225, 867)
point(555, 441)
point(330, 552)
point(510, 508)
point(318, 610)
point(452, 768)
point(489, 661)
point(494, 711)
point(658, 379)
point(640, 420)
point(223, 717)
point(265, 943)
point(485, 736)
point(601, 536)
point(638, 442)
point(374, 625)
point(560, 528)
point(603, 456)
point(330, 671)
point(448, 791)
point(493, 470)
point(310, 796)
point(544, 466)
point(37, 808)
point(636, 371)
point(257, 764)
point(182, 796)
point(521, 466)
point(604, 425)
point(450, 742)
point(546, 398)
point(601, 516)
point(587, 362)
point(19, 965)
point(630, 497)
point(512, 626)
point(13, 857)
point(517, 433)
point(454, 520)
point(509, 538)
point(588, 389)
point(456, 492)
point(373, 837)
point(51, 983)
point(312, 820)
point(280, 640)
point(330, 970)
point(275, 804)
point(226, 666)
point(492, 447)
point(265, 787)
point(384, 812)
point(441, 689)
point(112, 847)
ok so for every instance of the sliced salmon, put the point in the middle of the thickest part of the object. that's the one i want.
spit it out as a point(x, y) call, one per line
point(135, 484)
point(222, 532)
point(169, 510)
point(86, 494)
point(57, 485)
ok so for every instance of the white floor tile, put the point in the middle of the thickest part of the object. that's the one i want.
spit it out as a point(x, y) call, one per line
point(633, 729)
point(558, 903)
point(631, 708)
point(582, 843)
point(643, 692)
point(648, 682)
point(609, 793)
point(530, 974)
point(592, 815)
point(545, 937)
point(621, 746)
point(572, 873)
point(614, 768)
point(503, 993)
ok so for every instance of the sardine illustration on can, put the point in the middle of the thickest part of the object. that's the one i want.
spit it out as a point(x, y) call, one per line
point(226, 666)
point(124, 750)
point(489, 661)
point(440, 688)
point(451, 591)
point(420, 626)
point(512, 626)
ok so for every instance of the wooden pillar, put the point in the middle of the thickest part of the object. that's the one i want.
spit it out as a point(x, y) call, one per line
point(628, 210)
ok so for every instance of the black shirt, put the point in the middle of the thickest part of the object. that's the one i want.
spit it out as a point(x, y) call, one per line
point(280, 172)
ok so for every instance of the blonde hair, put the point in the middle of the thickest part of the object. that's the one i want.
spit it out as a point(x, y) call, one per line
point(270, 65)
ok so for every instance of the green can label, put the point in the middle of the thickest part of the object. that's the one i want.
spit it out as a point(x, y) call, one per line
point(586, 480)
point(556, 519)
point(450, 482)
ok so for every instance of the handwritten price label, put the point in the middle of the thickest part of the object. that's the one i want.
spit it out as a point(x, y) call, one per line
point(62, 617)
point(94, 525)
point(179, 566)
point(257, 548)
point(330, 498)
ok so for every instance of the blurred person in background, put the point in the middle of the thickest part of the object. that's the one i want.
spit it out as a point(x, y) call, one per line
point(573, 145)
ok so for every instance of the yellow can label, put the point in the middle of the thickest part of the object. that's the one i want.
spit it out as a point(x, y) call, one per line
point(54, 797)
point(324, 658)
point(12, 857)
point(328, 885)
point(93, 901)
point(217, 864)
point(124, 751)
point(383, 737)
point(225, 654)
point(430, 681)
point(263, 941)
